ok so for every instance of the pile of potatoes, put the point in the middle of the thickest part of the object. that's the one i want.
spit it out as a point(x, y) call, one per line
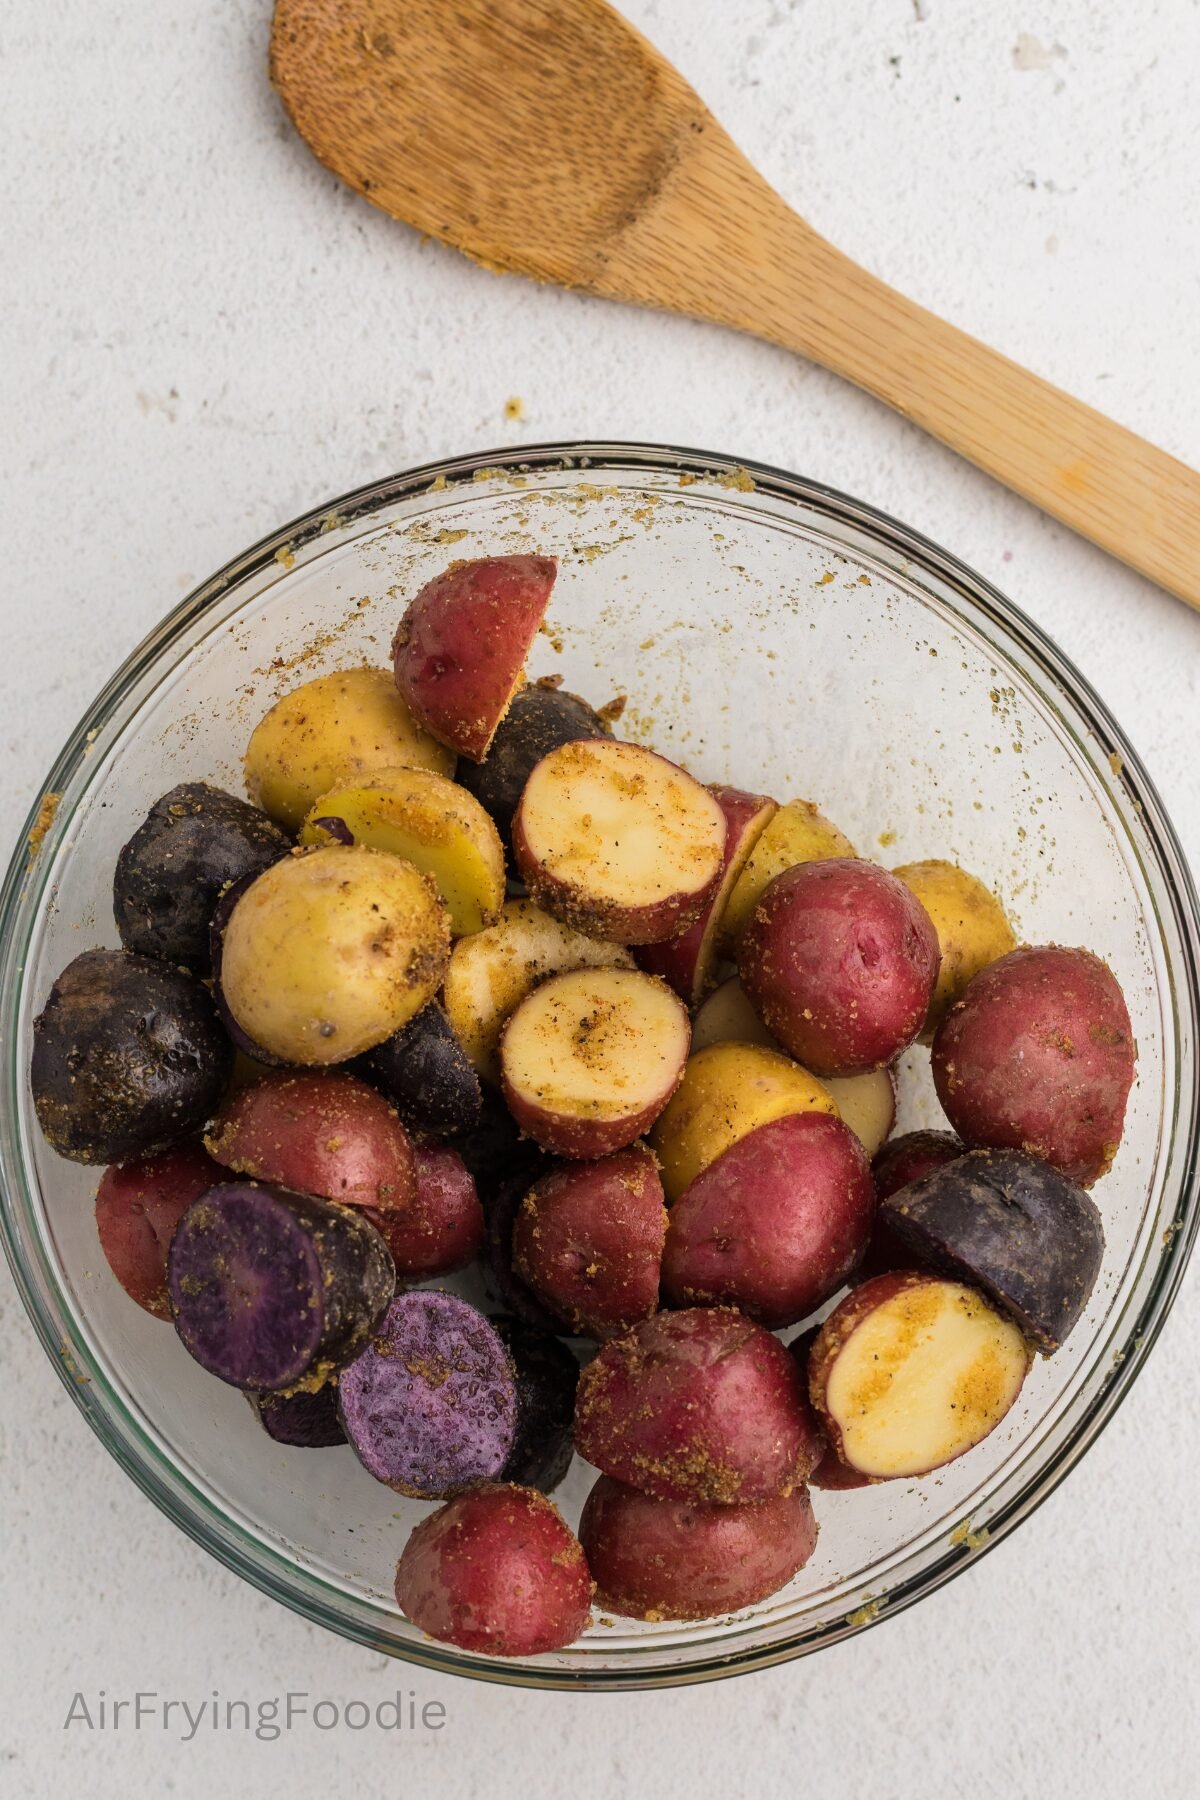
point(467, 977)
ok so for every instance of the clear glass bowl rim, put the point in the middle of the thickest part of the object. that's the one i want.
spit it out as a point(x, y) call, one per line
point(33, 1271)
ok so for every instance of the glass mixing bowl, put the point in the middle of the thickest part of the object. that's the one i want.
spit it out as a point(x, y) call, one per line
point(765, 631)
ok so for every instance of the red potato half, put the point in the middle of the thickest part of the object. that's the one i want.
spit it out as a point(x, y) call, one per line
point(911, 1371)
point(444, 1228)
point(699, 1405)
point(776, 1224)
point(687, 960)
point(1039, 1055)
point(590, 1059)
point(588, 1238)
point(839, 959)
point(138, 1206)
point(318, 1132)
point(674, 1559)
point(460, 649)
point(617, 842)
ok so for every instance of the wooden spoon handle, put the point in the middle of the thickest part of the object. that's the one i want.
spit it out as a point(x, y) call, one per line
point(1103, 481)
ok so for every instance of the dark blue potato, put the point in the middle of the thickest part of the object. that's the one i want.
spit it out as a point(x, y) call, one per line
point(426, 1074)
point(273, 1290)
point(495, 1152)
point(128, 1058)
point(1012, 1225)
point(305, 1421)
point(539, 720)
point(547, 1375)
point(430, 1407)
point(500, 1214)
point(195, 841)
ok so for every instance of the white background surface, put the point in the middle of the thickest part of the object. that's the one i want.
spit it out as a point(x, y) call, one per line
point(202, 334)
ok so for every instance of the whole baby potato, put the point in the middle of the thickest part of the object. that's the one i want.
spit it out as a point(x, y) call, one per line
point(1039, 1055)
point(327, 954)
point(332, 729)
point(971, 927)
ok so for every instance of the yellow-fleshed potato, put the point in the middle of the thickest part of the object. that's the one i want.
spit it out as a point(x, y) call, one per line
point(434, 824)
point(726, 1092)
point(491, 972)
point(332, 729)
point(971, 927)
point(328, 953)
point(728, 1017)
point(797, 833)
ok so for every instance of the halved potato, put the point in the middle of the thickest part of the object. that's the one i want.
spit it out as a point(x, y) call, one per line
point(431, 822)
point(491, 972)
point(727, 1017)
point(911, 1370)
point(867, 1104)
point(618, 842)
point(589, 1059)
point(687, 960)
point(334, 728)
point(797, 833)
point(726, 1091)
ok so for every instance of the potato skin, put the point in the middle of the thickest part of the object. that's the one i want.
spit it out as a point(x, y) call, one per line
point(776, 1224)
point(194, 842)
point(138, 1206)
point(331, 729)
point(319, 1132)
point(797, 833)
point(327, 954)
point(688, 959)
point(432, 823)
point(971, 927)
point(425, 1073)
point(701, 1405)
point(128, 1058)
point(840, 960)
point(547, 1376)
point(1038, 1055)
point(727, 1090)
point(903, 1159)
point(539, 719)
point(1012, 1225)
point(675, 1559)
point(588, 1239)
point(460, 648)
point(443, 1229)
point(496, 1571)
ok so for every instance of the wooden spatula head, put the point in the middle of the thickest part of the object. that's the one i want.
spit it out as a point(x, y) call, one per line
point(527, 133)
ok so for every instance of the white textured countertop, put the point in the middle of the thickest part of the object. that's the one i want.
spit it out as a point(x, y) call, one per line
point(201, 335)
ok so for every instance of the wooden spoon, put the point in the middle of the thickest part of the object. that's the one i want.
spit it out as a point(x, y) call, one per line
point(549, 138)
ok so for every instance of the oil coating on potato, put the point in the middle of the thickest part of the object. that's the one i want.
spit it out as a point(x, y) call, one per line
point(588, 1238)
point(327, 954)
point(971, 927)
point(332, 729)
point(797, 833)
point(431, 822)
point(491, 972)
point(726, 1091)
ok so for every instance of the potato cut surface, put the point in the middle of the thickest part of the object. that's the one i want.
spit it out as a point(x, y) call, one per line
point(601, 1044)
point(867, 1104)
point(491, 972)
point(728, 1017)
point(923, 1377)
point(619, 841)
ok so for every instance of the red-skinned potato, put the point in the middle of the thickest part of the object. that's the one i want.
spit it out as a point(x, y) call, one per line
point(839, 960)
point(590, 1059)
point(444, 1228)
point(698, 1405)
point(675, 1559)
point(1039, 1055)
point(318, 1132)
point(496, 1571)
point(776, 1224)
point(460, 649)
point(617, 842)
point(588, 1239)
point(687, 960)
point(138, 1206)
point(903, 1159)
point(911, 1370)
